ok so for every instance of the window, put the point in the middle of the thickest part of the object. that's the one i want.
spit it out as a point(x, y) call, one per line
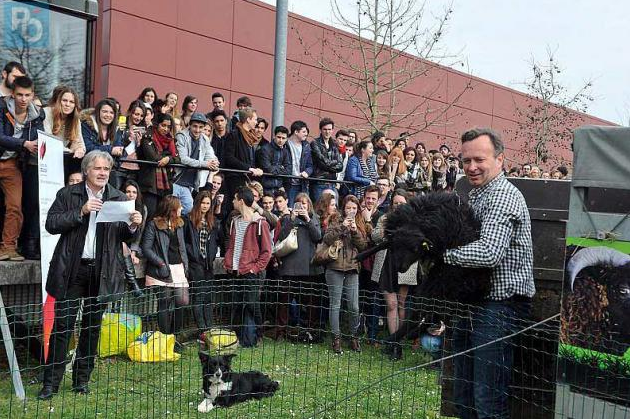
point(51, 45)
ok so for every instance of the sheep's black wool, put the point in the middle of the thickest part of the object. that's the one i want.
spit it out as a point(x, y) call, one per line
point(423, 230)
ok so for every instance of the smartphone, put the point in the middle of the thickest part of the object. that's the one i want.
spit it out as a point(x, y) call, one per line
point(122, 121)
point(297, 206)
point(351, 215)
point(140, 130)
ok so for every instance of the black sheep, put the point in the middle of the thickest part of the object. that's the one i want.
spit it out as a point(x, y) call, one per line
point(610, 268)
point(421, 231)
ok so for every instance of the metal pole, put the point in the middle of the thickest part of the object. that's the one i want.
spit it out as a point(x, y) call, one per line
point(280, 62)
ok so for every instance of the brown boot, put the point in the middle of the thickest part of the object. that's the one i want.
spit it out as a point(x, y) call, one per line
point(355, 345)
point(336, 345)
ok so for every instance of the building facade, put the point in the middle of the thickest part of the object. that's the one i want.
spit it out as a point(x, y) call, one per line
point(117, 47)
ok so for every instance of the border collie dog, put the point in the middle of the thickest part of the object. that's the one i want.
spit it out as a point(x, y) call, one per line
point(222, 387)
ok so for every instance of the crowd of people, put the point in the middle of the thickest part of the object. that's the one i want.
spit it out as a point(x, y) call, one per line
point(217, 186)
point(274, 203)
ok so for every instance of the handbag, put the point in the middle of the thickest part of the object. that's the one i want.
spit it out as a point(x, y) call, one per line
point(325, 254)
point(288, 245)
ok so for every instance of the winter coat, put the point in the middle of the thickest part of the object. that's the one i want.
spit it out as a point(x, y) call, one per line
point(353, 243)
point(149, 151)
point(183, 141)
point(326, 162)
point(64, 218)
point(91, 136)
point(275, 160)
point(406, 278)
point(256, 250)
point(34, 121)
point(438, 183)
point(76, 145)
point(298, 263)
point(193, 244)
point(354, 173)
point(155, 242)
point(237, 154)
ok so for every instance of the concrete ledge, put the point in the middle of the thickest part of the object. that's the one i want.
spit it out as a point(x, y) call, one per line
point(20, 273)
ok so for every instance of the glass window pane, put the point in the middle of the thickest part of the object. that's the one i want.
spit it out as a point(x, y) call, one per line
point(50, 44)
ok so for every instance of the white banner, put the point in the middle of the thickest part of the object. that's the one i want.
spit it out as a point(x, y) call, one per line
point(51, 179)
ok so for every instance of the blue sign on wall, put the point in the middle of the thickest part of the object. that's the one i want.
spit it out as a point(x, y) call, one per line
point(25, 25)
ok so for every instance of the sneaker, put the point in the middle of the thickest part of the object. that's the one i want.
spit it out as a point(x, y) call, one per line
point(10, 254)
point(15, 256)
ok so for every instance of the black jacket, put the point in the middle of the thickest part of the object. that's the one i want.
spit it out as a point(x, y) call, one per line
point(326, 162)
point(237, 154)
point(275, 160)
point(191, 237)
point(35, 121)
point(64, 218)
point(155, 243)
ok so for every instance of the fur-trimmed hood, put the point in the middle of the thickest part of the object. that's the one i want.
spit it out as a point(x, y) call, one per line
point(162, 223)
point(87, 116)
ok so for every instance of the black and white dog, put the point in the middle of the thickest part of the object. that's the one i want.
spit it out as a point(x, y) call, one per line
point(222, 387)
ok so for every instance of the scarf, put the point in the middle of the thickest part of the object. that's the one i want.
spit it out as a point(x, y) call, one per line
point(249, 136)
point(342, 149)
point(164, 142)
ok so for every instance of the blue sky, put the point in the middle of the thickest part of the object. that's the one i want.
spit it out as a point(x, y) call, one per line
point(498, 39)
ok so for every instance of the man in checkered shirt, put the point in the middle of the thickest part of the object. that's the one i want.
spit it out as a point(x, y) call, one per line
point(482, 377)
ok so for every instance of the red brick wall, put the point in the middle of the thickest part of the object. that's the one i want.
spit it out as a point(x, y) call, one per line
point(199, 46)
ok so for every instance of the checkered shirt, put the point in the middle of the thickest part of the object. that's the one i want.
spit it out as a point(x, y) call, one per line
point(505, 243)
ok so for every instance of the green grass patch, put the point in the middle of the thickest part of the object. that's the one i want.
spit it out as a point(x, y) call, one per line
point(312, 379)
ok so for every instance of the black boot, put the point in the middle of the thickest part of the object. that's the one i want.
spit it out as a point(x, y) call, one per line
point(47, 392)
point(130, 276)
point(30, 249)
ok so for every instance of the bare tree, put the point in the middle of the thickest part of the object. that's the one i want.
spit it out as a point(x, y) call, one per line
point(547, 119)
point(392, 47)
point(41, 64)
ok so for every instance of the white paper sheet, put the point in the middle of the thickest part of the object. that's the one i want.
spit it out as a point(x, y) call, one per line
point(131, 147)
point(113, 211)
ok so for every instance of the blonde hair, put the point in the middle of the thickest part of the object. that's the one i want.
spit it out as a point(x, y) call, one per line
point(256, 186)
point(402, 167)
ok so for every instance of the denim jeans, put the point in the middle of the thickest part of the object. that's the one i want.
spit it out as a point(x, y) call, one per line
point(318, 187)
point(482, 377)
point(346, 283)
point(246, 308)
point(293, 190)
point(185, 197)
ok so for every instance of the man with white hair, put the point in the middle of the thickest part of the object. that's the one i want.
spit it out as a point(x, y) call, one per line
point(87, 264)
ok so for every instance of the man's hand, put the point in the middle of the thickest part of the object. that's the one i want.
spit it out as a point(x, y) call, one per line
point(304, 174)
point(256, 172)
point(213, 164)
point(135, 218)
point(31, 146)
point(93, 204)
point(134, 258)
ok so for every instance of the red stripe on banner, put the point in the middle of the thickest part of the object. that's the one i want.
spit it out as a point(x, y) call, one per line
point(49, 319)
